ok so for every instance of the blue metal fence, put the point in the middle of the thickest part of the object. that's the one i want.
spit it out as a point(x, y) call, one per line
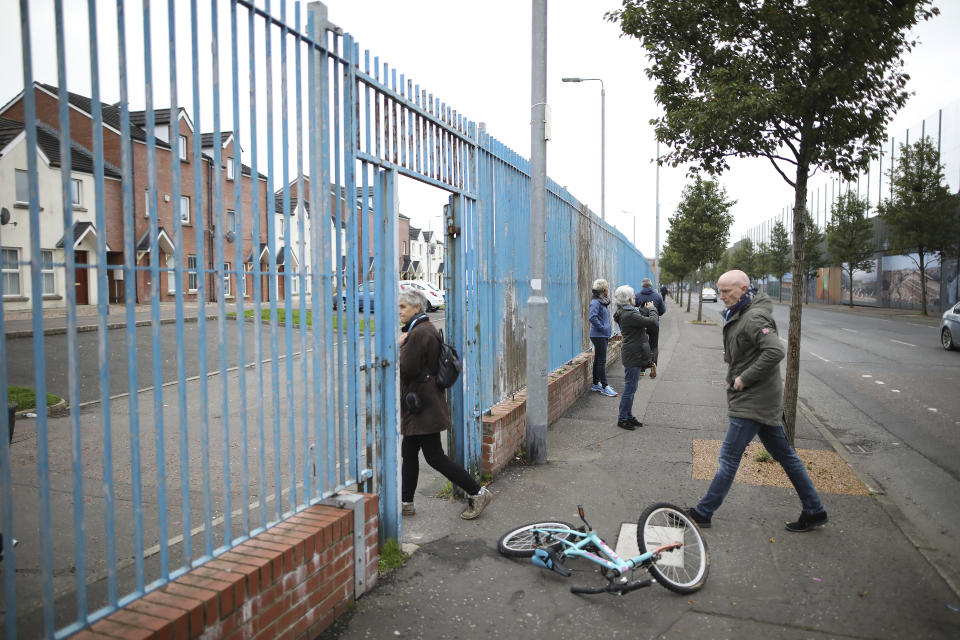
point(250, 441)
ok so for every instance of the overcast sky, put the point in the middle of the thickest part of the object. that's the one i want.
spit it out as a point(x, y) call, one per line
point(475, 57)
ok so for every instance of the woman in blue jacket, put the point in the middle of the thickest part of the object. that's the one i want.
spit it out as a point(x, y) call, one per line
point(600, 330)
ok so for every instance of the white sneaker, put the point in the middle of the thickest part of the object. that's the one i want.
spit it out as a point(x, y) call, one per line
point(608, 391)
point(476, 504)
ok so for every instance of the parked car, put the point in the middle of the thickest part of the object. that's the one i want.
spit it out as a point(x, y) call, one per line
point(708, 295)
point(950, 328)
point(364, 292)
point(435, 297)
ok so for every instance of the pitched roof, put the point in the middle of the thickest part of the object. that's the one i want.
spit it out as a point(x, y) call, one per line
point(48, 140)
point(111, 113)
point(414, 232)
point(160, 116)
point(428, 235)
point(206, 139)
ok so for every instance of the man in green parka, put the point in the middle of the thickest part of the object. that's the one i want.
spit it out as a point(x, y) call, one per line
point(752, 351)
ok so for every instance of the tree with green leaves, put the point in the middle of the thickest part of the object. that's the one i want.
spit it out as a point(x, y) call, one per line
point(743, 257)
point(672, 262)
point(919, 213)
point(813, 257)
point(701, 225)
point(780, 255)
point(808, 85)
point(850, 236)
point(761, 263)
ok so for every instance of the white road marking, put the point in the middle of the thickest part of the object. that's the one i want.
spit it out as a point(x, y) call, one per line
point(902, 342)
point(880, 382)
point(816, 356)
point(865, 375)
point(850, 330)
point(627, 541)
point(931, 409)
point(894, 390)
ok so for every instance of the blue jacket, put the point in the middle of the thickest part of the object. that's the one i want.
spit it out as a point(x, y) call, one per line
point(647, 294)
point(600, 325)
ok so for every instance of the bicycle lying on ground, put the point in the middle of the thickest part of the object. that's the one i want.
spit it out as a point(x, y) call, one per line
point(672, 550)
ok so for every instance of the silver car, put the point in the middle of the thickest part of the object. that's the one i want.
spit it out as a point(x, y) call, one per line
point(950, 328)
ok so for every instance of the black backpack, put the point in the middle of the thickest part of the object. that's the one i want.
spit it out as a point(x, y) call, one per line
point(448, 364)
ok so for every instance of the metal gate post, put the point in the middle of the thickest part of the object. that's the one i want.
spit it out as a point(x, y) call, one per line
point(388, 437)
point(455, 259)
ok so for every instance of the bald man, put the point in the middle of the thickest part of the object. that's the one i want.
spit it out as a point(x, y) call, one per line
point(752, 351)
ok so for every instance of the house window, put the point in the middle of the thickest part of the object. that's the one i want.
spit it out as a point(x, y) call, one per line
point(23, 186)
point(226, 280)
point(294, 283)
point(183, 148)
point(75, 188)
point(282, 227)
point(403, 246)
point(10, 266)
point(46, 272)
point(171, 276)
point(248, 275)
point(229, 168)
point(185, 209)
point(191, 273)
point(231, 221)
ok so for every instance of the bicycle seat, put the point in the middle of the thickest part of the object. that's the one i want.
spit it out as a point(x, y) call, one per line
point(550, 560)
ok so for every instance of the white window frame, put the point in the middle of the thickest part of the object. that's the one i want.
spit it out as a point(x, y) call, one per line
point(294, 283)
point(185, 200)
point(182, 147)
point(231, 226)
point(21, 180)
point(226, 280)
point(171, 276)
point(9, 271)
point(230, 169)
point(247, 271)
point(47, 271)
point(76, 191)
point(192, 274)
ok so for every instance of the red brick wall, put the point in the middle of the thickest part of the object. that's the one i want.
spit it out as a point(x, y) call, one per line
point(505, 428)
point(289, 582)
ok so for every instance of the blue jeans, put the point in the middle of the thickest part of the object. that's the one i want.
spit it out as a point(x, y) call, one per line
point(630, 378)
point(739, 435)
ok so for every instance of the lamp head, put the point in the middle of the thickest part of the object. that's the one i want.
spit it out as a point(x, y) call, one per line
point(573, 79)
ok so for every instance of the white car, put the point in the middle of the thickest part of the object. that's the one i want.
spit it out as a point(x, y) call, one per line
point(435, 298)
point(708, 295)
point(950, 328)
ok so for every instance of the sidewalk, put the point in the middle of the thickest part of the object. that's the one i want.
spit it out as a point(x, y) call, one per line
point(19, 324)
point(858, 577)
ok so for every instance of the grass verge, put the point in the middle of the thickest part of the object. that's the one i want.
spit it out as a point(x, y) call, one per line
point(282, 315)
point(391, 557)
point(26, 398)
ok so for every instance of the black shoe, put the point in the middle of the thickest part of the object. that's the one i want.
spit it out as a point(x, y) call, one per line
point(626, 424)
point(702, 521)
point(632, 420)
point(807, 522)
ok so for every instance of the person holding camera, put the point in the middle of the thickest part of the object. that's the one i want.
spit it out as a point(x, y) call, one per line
point(424, 413)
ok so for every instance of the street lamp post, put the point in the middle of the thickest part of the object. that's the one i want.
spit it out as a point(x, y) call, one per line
point(603, 142)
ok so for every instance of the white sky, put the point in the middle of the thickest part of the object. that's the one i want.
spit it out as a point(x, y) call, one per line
point(475, 57)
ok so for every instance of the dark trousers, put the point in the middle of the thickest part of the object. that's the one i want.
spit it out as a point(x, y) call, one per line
point(653, 335)
point(432, 449)
point(599, 361)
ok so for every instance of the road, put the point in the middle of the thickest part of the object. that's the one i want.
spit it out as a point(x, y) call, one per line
point(887, 390)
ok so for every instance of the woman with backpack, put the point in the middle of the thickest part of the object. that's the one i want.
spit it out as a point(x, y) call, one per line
point(424, 413)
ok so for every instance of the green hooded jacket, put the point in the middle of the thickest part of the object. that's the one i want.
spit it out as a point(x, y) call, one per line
point(752, 350)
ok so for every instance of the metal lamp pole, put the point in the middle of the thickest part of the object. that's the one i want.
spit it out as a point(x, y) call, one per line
point(603, 142)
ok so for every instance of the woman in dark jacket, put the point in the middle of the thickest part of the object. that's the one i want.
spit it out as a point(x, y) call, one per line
point(424, 413)
point(635, 352)
point(600, 330)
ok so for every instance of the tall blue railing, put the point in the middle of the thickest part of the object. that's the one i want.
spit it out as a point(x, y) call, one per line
point(264, 397)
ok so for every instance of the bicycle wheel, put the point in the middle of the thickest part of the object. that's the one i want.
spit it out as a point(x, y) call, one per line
point(521, 542)
point(683, 570)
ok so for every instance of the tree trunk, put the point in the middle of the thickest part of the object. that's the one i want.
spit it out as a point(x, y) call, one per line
point(923, 284)
point(792, 378)
point(850, 271)
point(700, 309)
point(689, 293)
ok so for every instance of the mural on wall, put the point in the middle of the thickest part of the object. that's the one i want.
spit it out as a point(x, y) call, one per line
point(901, 282)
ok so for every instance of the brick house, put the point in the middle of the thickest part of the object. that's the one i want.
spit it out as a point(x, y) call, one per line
point(198, 225)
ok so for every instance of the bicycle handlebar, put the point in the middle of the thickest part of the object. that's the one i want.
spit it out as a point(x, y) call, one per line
point(614, 588)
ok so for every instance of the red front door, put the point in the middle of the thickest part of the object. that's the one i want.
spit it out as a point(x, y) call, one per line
point(82, 275)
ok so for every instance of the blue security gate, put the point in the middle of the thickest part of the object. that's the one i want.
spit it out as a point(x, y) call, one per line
point(247, 214)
